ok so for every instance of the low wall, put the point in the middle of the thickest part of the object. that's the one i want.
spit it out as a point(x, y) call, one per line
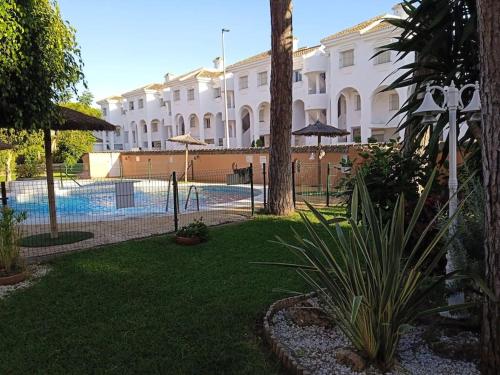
point(205, 161)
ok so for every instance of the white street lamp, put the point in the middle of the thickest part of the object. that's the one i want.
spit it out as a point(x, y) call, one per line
point(226, 121)
point(429, 109)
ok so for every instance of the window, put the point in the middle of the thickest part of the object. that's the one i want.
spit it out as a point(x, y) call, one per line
point(169, 107)
point(209, 141)
point(297, 75)
point(191, 94)
point(169, 131)
point(156, 145)
point(141, 103)
point(145, 128)
point(357, 102)
point(124, 111)
point(382, 57)
point(393, 102)
point(162, 102)
point(243, 82)
point(117, 131)
point(262, 115)
point(154, 127)
point(125, 135)
point(346, 58)
point(131, 106)
point(192, 122)
point(217, 92)
point(230, 99)
point(221, 141)
point(177, 95)
point(206, 121)
point(262, 79)
point(232, 128)
point(104, 111)
point(322, 83)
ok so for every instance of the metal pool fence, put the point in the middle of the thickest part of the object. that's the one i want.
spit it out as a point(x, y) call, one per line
point(109, 210)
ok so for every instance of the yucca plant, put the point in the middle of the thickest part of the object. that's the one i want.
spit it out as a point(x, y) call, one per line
point(372, 290)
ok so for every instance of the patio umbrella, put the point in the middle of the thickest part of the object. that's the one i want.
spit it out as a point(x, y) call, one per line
point(320, 130)
point(71, 120)
point(187, 139)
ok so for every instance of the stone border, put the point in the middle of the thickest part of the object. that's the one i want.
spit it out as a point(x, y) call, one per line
point(282, 352)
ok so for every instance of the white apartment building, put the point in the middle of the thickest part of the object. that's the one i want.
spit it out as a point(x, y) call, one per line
point(337, 82)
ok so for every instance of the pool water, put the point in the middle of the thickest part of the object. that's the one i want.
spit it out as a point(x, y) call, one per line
point(99, 199)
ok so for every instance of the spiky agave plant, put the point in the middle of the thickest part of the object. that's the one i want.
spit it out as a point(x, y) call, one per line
point(372, 289)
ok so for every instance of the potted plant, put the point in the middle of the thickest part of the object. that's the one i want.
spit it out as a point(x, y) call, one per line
point(12, 267)
point(193, 233)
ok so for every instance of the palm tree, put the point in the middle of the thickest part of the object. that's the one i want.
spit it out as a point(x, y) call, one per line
point(489, 51)
point(280, 153)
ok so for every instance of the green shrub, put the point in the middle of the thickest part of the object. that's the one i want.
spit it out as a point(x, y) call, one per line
point(387, 174)
point(196, 229)
point(372, 289)
point(10, 258)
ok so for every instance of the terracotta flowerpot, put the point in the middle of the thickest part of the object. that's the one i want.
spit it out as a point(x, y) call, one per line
point(187, 240)
point(13, 279)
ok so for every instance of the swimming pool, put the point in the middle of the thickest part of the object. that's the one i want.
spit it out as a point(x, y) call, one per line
point(97, 200)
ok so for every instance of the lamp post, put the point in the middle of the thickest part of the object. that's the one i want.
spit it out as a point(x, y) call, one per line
point(226, 122)
point(429, 109)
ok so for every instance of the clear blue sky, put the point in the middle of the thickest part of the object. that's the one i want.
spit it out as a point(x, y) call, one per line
point(129, 43)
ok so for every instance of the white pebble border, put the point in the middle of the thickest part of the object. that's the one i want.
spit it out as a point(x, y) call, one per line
point(35, 271)
point(314, 348)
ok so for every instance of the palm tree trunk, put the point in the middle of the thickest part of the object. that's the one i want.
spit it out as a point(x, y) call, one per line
point(489, 35)
point(280, 153)
point(50, 183)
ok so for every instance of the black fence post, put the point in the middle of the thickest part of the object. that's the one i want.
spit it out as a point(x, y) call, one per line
point(328, 185)
point(264, 182)
point(4, 194)
point(252, 197)
point(293, 184)
point(176, 202)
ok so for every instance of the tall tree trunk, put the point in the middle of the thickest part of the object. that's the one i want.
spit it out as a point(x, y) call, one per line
point(489, 35)
point(280, 152)
point(47, 139)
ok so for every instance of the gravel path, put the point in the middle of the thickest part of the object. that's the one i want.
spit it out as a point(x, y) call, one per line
point(314, 348)
point(36, 272)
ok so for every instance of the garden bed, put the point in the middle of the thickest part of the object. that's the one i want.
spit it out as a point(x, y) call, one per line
point(303, 339)
point(34, 272)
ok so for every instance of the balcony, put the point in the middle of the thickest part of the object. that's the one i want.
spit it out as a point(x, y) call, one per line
point(230, 113)
point(315, 63)
point(316, 101)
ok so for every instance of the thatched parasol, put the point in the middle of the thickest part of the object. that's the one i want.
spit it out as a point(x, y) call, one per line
point(71, 120)
point(320, 130)
point(187, 139)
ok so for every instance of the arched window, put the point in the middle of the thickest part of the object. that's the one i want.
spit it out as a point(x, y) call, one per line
point(145, 128)
point(192, 122)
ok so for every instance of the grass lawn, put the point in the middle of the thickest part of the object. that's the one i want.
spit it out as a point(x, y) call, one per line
point(152, 307)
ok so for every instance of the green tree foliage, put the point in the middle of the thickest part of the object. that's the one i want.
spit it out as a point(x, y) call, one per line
point(39, 61)
point(72, 145)
point(443, 36)
point(27, 156)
